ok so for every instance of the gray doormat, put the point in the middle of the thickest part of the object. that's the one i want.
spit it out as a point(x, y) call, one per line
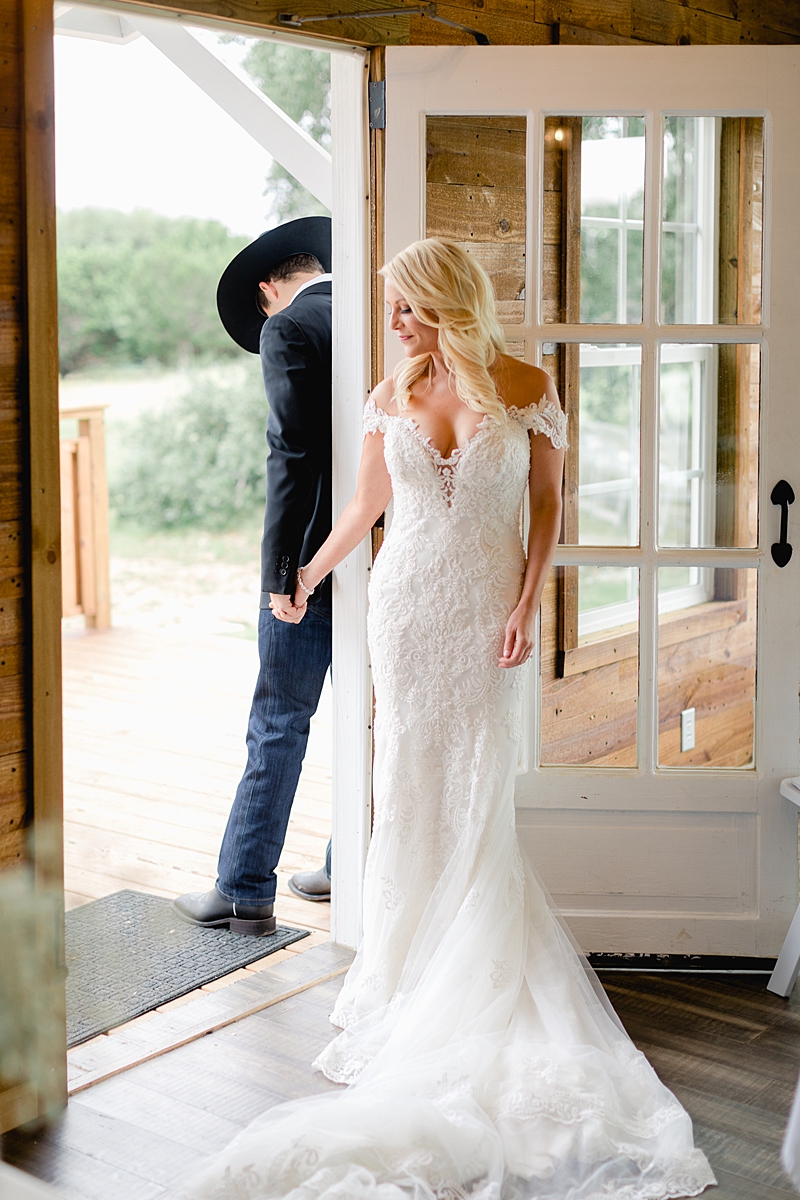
point(128, 953)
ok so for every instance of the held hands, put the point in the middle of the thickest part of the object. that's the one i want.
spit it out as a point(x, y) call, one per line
point(286, 608)
point(293, 608)
point(519, 639)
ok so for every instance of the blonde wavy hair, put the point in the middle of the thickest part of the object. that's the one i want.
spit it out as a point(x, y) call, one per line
point(447, 289)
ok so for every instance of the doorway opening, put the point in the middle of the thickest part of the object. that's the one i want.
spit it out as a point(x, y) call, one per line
point(162, 442)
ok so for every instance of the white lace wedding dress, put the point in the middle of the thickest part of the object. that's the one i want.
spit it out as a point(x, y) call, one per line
point(482, 1057)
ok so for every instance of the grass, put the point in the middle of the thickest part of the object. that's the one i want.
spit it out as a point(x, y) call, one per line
point(240, 546)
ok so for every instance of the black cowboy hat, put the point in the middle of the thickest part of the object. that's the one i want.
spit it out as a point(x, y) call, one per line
point(238, 288)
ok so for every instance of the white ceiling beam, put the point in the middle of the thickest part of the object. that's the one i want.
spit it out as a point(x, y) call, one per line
point(93, 23)
point(267, 124)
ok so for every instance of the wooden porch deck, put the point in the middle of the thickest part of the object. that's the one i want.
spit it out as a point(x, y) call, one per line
point(154, 727)
point(728, 1049)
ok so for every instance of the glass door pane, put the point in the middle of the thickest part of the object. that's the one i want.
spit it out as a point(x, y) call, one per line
point(600, 386)
point(475, 196)
point(593, 219)
point(590, 688)
point(711, 222)
point(709, 443)
point(706, 666)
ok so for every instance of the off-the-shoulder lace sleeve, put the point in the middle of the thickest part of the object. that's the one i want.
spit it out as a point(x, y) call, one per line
point(375, 419)
point(545, 417)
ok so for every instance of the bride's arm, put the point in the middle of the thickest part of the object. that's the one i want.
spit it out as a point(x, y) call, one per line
point(373, 492)
point(547, 466)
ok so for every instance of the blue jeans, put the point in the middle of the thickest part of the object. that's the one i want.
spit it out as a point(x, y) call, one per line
point(294, 660)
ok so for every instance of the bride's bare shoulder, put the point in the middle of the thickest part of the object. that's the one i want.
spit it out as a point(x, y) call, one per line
point(383, 395)
point(524, 384)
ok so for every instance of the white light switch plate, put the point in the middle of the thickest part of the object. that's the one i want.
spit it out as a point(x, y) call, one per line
point(687, 729)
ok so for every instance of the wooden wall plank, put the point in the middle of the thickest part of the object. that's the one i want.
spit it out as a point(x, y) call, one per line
point(9, 68)
point(755, 33)
point(669, 24)
point(476, 195)
point(12, 623)
point(14, 807)
point(13, 775)
point(39, 399)
point(13, 848)
point(775, 15)
point(706, 661)
point(719, 8)
point(373, 32)
point(42, 387)
point(723, 739)
point(513, 30)
point(506, 268)
point(728, 250)
point(606, 16)
point(577, 35)
point(482, 213)
point(751, 206)
point(476, 151)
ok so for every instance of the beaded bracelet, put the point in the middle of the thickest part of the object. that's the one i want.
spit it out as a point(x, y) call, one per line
point(308, 591)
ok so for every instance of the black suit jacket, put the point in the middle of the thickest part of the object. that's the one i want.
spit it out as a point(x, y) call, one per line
point(296, 363)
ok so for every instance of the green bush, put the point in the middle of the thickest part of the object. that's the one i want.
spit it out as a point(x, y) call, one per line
point(198, 462)
point(140, 287)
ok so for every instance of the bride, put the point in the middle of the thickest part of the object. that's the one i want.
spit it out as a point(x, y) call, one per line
point(482, 1057)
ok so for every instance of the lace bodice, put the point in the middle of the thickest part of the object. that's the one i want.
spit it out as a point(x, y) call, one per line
point(496, 457)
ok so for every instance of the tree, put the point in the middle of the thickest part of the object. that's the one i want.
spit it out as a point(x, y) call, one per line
point(299, 82)
point(137, 287)
point(199, 462)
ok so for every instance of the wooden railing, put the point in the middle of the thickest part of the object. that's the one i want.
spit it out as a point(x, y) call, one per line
point(84, 519)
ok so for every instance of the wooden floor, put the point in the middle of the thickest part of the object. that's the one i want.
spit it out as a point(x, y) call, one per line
point(154, 727)
point(729, 1050)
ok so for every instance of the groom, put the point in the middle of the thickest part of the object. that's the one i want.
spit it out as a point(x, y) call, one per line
point(274, 299)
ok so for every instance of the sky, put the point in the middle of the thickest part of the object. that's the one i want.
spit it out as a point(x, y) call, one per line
point(132, 131)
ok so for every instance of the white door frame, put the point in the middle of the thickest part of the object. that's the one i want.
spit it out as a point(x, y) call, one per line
point(567, 80)
point(352, 685)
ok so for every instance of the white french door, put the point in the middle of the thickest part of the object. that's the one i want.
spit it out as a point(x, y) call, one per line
point(636, 208)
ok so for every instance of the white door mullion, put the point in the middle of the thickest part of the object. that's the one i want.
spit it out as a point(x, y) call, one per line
point(648, 612)
point(647, 716)
point(652, 167)
point(648, 575)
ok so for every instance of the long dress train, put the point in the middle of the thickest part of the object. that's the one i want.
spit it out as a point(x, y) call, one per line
point(482, 1057)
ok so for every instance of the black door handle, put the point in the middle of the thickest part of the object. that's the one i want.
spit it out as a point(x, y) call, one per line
point(783, 495)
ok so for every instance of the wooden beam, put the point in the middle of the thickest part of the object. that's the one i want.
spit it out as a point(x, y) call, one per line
point(41, 343)
point(93, 434)
point(242, 16)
